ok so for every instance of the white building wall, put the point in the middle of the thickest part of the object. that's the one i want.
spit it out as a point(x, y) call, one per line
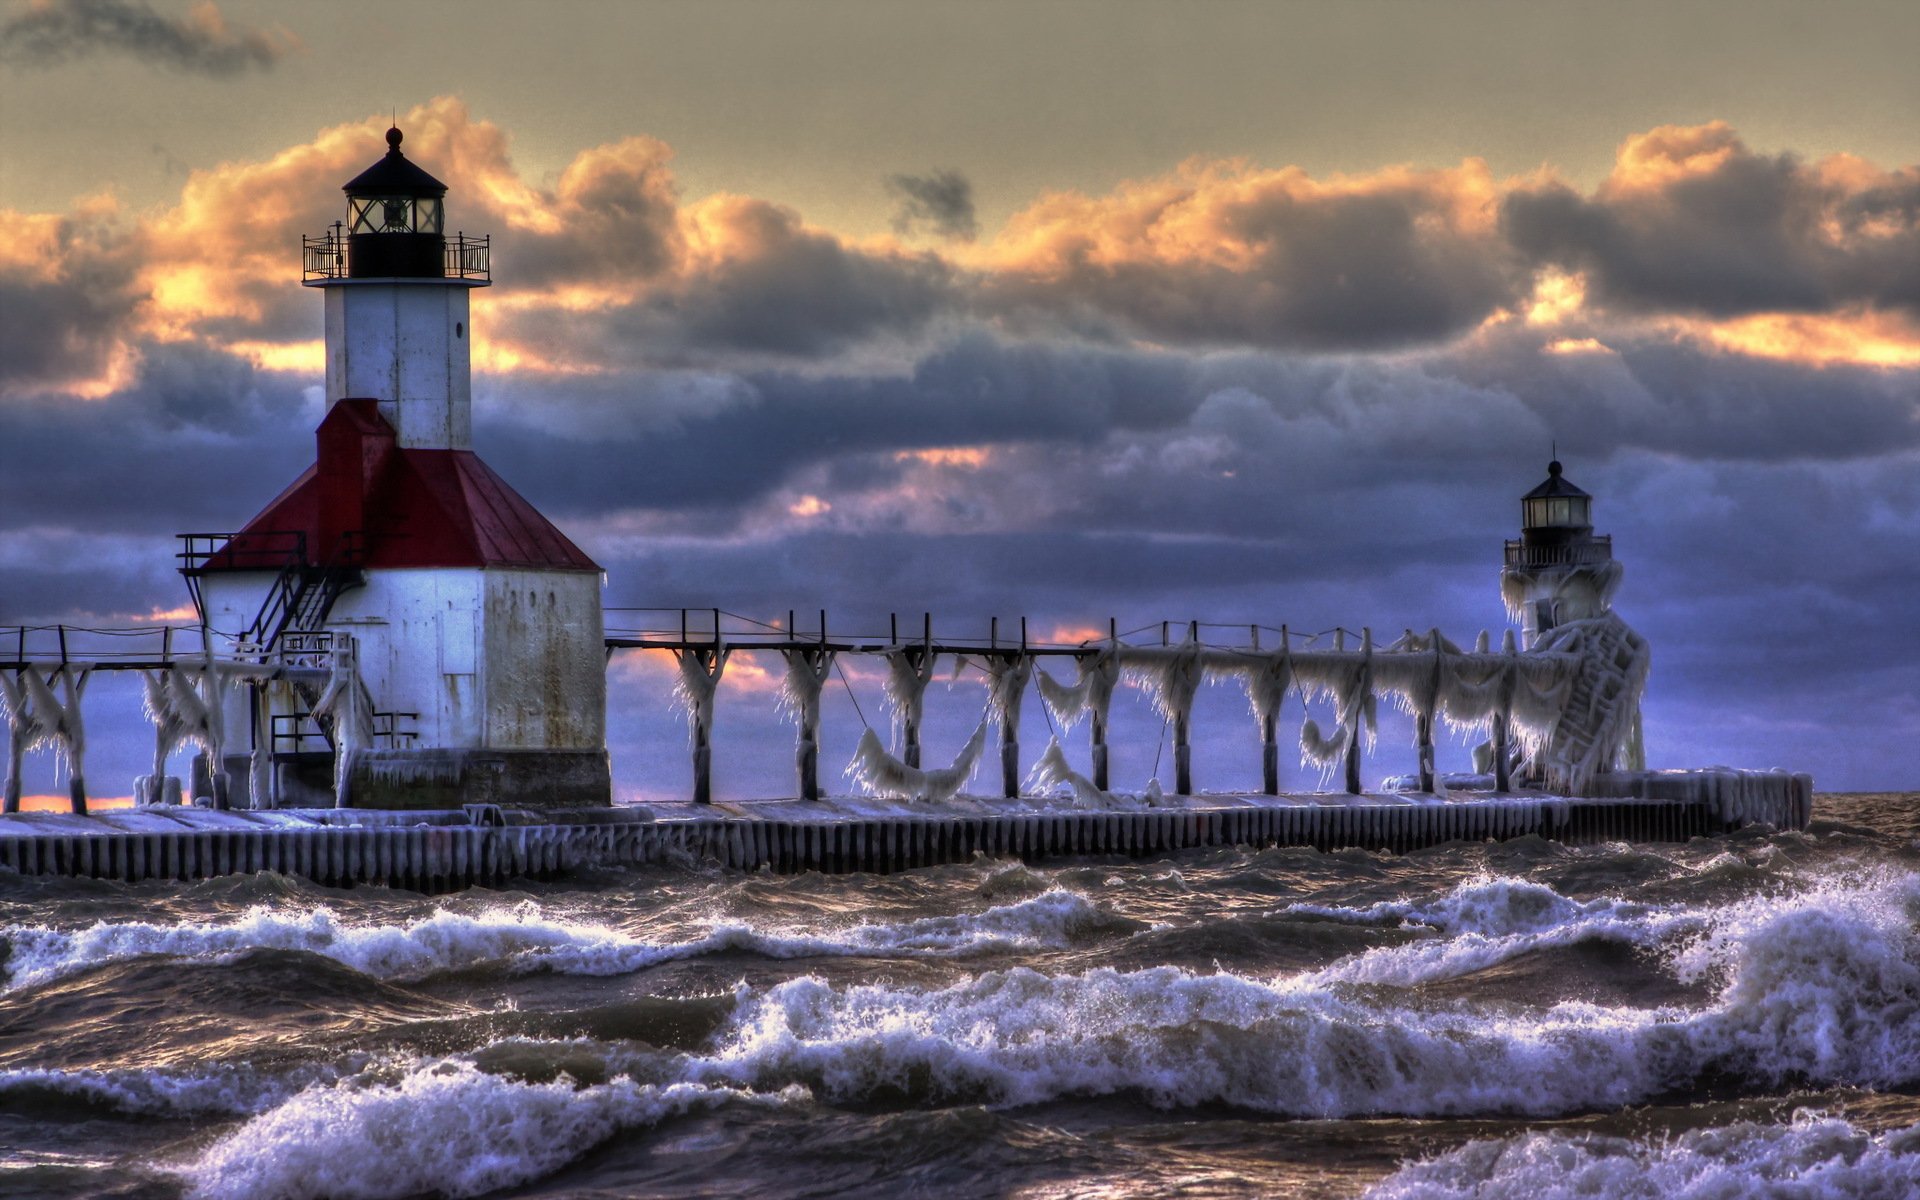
point(419, 640)
point(504, 659)
point(546, 676)
point(406, 344)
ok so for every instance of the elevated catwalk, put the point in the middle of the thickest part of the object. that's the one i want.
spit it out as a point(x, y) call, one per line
point(486, 846)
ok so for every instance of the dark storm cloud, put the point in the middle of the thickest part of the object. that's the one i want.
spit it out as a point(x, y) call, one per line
point(1694, 221)
point(940, 201)
point(47, 33)
point(199, 441)
point(65, 299)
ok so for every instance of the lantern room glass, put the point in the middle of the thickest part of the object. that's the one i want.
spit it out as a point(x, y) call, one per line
point(1556, 512)
point(394, 214)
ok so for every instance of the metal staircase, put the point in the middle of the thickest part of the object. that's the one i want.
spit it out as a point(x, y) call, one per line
point(301, 594)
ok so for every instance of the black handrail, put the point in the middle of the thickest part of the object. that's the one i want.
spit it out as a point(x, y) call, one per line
point(1597, 549)
point(326, 257)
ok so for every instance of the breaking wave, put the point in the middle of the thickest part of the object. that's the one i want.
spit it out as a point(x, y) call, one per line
point(523, 939)
point(216, 1089)
point(446, 1128)
point(1813, 1158)
point(1822, 988)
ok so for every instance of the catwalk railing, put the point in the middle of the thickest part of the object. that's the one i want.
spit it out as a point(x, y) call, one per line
point(1516, 698)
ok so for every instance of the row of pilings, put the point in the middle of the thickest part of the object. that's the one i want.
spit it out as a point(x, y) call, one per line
point(454, 852)
point(1516, 698)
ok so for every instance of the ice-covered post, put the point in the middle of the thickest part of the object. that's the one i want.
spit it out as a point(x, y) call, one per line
point(1270, 714)
point(807, 668)
point(1423, 718)
point(23, 729)
point(1359, 711)
point(1182, 731)
point(1098, 715)
point(700, 671)
point(1008, 674)
point(910, 670)
point(1502, 761)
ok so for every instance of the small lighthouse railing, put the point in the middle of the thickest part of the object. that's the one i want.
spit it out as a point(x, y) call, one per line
point(1597, 549)
point(326, 257)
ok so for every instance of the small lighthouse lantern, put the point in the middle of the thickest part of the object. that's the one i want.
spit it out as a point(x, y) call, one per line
point(1556, 505)
point(395, 229)
point(1558, 569)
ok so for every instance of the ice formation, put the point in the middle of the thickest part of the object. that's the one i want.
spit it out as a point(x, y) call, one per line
point(878, 773)
point(1091, 692)
point(1600, 710)
point(908, 673)
point(807, 671)
point(1053, 771)
point(1007, 677)
point(700, 672)
point(40, 719)
point(1347, 680)
point(187, 707)
point(1170, 675)
point(348, 708)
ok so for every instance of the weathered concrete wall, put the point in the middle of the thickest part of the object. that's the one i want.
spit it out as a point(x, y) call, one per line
point(419, 633)
point(546, 672)
point(405, 343)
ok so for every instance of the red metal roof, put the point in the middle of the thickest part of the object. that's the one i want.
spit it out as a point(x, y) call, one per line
point(422, 508)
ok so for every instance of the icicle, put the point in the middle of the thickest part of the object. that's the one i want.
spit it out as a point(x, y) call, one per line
point(1169, 675)
point(1007, 677)
point(878, 773)
point(349, 710)
point(27, 729)
point(62, 724)
point(908, 674)
point(807, 671)
point(1091, 692)
point(1053, 771)
point(700, 672)
point(1267, 680)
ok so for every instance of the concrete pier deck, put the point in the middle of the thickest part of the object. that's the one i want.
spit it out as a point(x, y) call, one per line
point(441, 851)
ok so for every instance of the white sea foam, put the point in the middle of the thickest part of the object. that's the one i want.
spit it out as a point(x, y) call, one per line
point(525, 939)
point(1490, 920)
point(1813, 1158)
point(1822, 987)
point(446, 1128)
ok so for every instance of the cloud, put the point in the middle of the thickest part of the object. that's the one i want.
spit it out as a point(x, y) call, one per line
point(1692, 221)
point(941, 201)
point(1228, 393)
point(48, 33)
point(1224, 253)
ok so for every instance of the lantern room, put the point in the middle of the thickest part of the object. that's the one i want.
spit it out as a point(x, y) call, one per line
point(394, 219)
point(1556, 504)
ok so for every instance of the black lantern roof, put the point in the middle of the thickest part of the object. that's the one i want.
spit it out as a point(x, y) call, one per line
point(394, 175)
point(1556, 485)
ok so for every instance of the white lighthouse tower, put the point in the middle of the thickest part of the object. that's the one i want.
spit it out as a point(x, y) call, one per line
point(441, 640)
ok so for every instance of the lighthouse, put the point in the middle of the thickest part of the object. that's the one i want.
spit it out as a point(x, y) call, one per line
point(426, 637)
point(1558, 570)
point(1558, 580)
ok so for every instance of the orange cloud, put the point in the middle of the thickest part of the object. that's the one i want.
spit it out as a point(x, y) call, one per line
point(969, 458)
point(1866, 338)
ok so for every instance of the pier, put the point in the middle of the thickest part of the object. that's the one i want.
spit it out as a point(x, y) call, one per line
point(486, 846)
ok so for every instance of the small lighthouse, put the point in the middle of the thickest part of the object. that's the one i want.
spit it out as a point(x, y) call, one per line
point(1558, 570)
point(434, 640)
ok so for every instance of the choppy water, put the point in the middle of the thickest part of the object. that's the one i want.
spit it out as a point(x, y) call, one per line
point(1734, 1017)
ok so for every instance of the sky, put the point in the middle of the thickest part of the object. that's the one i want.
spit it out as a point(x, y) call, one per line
point(1231, 313)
